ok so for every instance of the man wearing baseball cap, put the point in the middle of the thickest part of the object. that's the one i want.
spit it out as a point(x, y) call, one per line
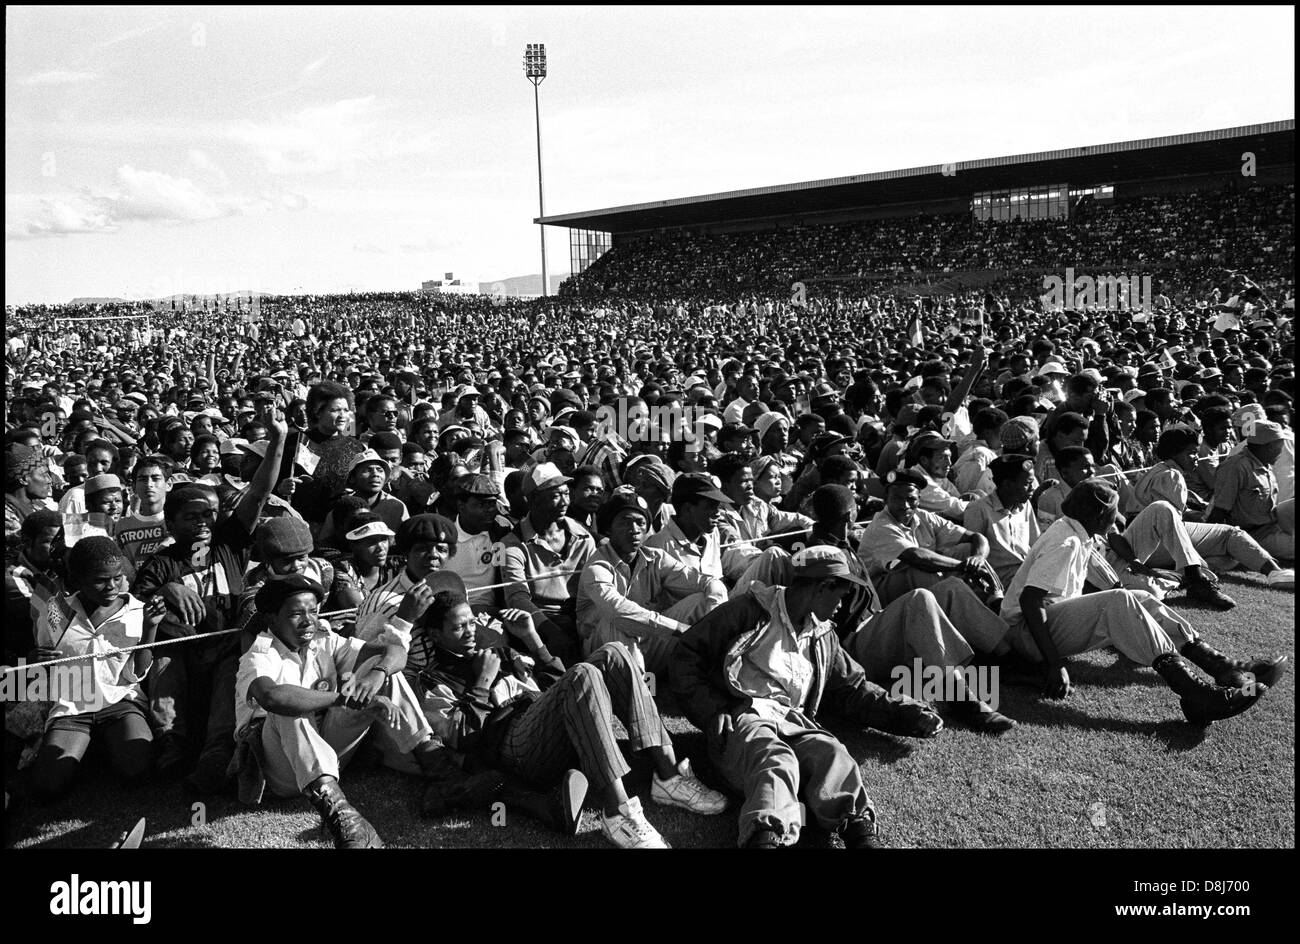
point(691, 534)
point(542, 557)
point(753, 675)
point(636, 594)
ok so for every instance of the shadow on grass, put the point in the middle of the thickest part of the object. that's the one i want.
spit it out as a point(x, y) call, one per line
point(1178, 735)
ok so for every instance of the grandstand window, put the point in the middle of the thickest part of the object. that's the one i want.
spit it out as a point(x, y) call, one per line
point(585, 247)
point(1043, 202)
point(1097, 192)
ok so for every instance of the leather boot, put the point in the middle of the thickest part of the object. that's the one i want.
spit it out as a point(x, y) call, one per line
point(1203, 587)
point(348, 827)
point(1235, 673)
point(1202, 702)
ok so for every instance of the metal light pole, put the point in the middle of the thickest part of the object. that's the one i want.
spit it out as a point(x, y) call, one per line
point(535, 70)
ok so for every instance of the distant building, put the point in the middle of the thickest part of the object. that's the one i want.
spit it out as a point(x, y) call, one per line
point(521, 286)
point(448, 285)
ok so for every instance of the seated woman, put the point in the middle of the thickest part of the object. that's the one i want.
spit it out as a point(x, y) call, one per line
point(530, 717)
point(96, 616)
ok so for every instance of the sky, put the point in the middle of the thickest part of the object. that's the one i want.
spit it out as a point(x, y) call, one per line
point(160, 151)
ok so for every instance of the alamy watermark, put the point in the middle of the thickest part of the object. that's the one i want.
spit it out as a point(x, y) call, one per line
point(1106, 292)
point(946, 683)
point(68, 682)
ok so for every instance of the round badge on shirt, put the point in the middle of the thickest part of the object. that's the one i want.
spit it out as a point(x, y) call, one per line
point(323, 685)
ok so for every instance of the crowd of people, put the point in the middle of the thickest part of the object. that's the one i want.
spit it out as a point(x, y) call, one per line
point(464, 534)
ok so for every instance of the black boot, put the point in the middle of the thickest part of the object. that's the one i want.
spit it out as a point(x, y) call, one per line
point(348, 827)
point(451, 788)
point(1203, 587)
point(1235, 673)
point(861, 832)
point(980, 716)
point(1202, 703)
point(560, 808)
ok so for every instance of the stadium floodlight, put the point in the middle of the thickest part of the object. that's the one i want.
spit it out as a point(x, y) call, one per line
point(535, 71)
point(535, 61)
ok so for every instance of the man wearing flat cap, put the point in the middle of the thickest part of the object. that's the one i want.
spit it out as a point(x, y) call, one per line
point(480, 529)
point(636, 594)
point(1051, 619)
point(1246, 491)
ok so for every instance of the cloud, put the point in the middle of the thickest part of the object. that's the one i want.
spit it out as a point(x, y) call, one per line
point(206, 165)
point(136, 196)
point(57, 77)
point(32, 217)
point(348, 135)
point(317, 139)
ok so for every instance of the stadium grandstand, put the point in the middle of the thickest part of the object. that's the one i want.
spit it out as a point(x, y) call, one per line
point(935, 225)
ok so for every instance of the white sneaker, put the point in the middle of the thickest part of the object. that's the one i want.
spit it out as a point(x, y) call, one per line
point(1283, 578)
point(630, 830)
point(686, 791)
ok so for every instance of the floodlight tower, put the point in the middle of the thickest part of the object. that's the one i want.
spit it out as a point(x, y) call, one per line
point(535, 71)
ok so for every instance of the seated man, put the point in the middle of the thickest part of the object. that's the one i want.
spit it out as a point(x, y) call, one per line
point(531, 717)
point(1156, 534)
point(201, 578)
point(1005, 516)
point(96, 616)
point(638, 595)
point(542, 558)
point(920, 624)
point(753, 675)
point(748, 517)
point(1246, 492)
point(480, 528)
point(906, 547)
point(1051, 618)
point(691, 535)
point(1224, 546)
point(31, 580)
point(306, 698)
point(929, 456)
point(283, 547)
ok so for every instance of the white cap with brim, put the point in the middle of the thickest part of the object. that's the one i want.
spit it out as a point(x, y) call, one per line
point(544, 475)
point(371, 529)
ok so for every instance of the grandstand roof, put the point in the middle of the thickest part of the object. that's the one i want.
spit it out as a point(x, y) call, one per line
point(1181, 155)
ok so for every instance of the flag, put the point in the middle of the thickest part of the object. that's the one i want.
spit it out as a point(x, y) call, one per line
point(915, 334)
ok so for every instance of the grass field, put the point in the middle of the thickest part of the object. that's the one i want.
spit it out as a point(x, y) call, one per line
point(1113, 766)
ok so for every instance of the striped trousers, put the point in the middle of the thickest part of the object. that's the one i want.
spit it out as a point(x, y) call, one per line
point(573, 720)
